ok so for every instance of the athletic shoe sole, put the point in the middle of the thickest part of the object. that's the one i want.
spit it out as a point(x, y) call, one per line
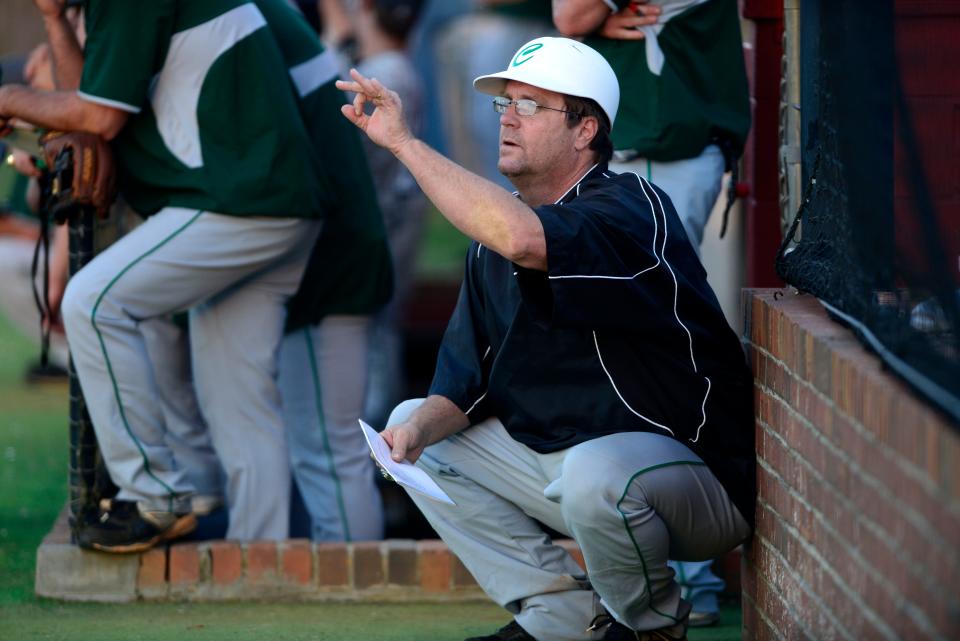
point(181, 527)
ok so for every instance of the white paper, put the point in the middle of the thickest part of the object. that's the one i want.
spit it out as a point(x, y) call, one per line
point(404, 473)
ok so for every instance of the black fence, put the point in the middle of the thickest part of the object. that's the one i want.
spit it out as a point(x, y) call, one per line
point(877, 234)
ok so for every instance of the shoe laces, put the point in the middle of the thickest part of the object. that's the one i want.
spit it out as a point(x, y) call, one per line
point(599, 621)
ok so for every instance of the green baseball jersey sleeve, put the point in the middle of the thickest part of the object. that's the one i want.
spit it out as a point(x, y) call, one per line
point(215, 121)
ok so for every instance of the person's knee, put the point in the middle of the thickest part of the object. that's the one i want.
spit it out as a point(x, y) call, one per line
point(587, 494)
point(77, 304)
point(403, 411)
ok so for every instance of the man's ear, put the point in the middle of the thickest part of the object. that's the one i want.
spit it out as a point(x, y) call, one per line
point(587, 131)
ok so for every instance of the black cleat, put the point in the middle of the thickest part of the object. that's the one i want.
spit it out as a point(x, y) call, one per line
point(38, 374)
point(123, 529)
point(510, 632)
point(616, 631)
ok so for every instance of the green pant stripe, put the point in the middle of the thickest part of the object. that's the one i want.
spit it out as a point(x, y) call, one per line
point(626, 525)
point(326, 437)
point(106, 357)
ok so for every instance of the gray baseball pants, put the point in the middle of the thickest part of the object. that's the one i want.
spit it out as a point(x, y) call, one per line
point(235, 275)
point(630, 500)
point(693, 185)
point(323, 379)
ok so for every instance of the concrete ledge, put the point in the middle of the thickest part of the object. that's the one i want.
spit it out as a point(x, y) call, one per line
point(294, 570)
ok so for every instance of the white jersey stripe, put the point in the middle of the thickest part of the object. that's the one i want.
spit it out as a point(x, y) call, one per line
point(116, 104)
point(656, 231)
point(484, 395)
point(176, 90)
point(314, 73)
point(676, 289)
point(676, 286)
point(617, 391)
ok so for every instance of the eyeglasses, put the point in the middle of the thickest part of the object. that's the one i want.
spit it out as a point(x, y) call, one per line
point(525, 106)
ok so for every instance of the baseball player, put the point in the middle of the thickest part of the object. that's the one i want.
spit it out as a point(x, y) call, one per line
point(323, 356)
point(587, 378)
point(686, 111)
point(205, 120)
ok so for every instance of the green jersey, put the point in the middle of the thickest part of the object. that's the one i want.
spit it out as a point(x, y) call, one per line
point(13, 191)
point(700, 93)
point(215, 121)
point(529, 9)
point(350, 271)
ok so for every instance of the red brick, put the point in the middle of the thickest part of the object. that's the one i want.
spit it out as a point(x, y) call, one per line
point(153, 568)
point(226, 561)
point(931, 442)
point(773, 326)
point(261, 558)
point(751, 620)
point(296, 561)
point(184, 564)
point(436, 566)
point(402, 563)
point(758, 329)
point(332, 564)
point(461, 575)
point(869, 593)
point(367, 564)
point(949, 451)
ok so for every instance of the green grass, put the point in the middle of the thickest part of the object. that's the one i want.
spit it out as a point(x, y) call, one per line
point(33, 489)
point(443, 249)
point(250, 622)
point(33, 465)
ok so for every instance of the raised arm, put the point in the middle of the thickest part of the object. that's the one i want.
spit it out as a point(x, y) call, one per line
point(577, 18)
point(479, 208)
point(581, 17)
point(64, 46)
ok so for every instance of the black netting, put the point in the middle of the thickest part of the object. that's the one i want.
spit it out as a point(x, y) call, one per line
point(89, 480)
point(877, 235)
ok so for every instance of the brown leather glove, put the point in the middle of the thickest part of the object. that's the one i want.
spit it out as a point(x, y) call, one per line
point(94, 176)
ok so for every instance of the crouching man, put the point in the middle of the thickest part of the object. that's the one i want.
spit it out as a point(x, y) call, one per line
point(587, 379)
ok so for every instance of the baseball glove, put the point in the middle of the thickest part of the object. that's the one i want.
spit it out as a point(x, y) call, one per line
point(82, 173)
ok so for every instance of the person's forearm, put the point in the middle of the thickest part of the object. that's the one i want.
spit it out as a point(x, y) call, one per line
point(65, 51)
point(480, 209)
point(438, 418)
point(337, 26)
point(579, 17)
point(60, 254)
point(61, 110)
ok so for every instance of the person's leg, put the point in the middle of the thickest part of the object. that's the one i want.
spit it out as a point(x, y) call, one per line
point(168, 348)
point(693, 185)
point(497, 485)
point(701, 588)
point(322, 383)
point(235, 341)
point(175, 260)
point(633, 500)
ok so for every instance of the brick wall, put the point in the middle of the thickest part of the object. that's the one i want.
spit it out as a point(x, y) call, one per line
point(858, 513)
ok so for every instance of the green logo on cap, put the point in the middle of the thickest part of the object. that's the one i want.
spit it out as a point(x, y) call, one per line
point(525, 54)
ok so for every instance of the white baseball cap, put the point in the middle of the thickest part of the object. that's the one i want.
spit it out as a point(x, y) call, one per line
point(562, 65)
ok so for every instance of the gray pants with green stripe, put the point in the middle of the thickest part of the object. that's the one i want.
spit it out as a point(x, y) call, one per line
point(323, 380)
point(630, 500)
point(235, 275)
